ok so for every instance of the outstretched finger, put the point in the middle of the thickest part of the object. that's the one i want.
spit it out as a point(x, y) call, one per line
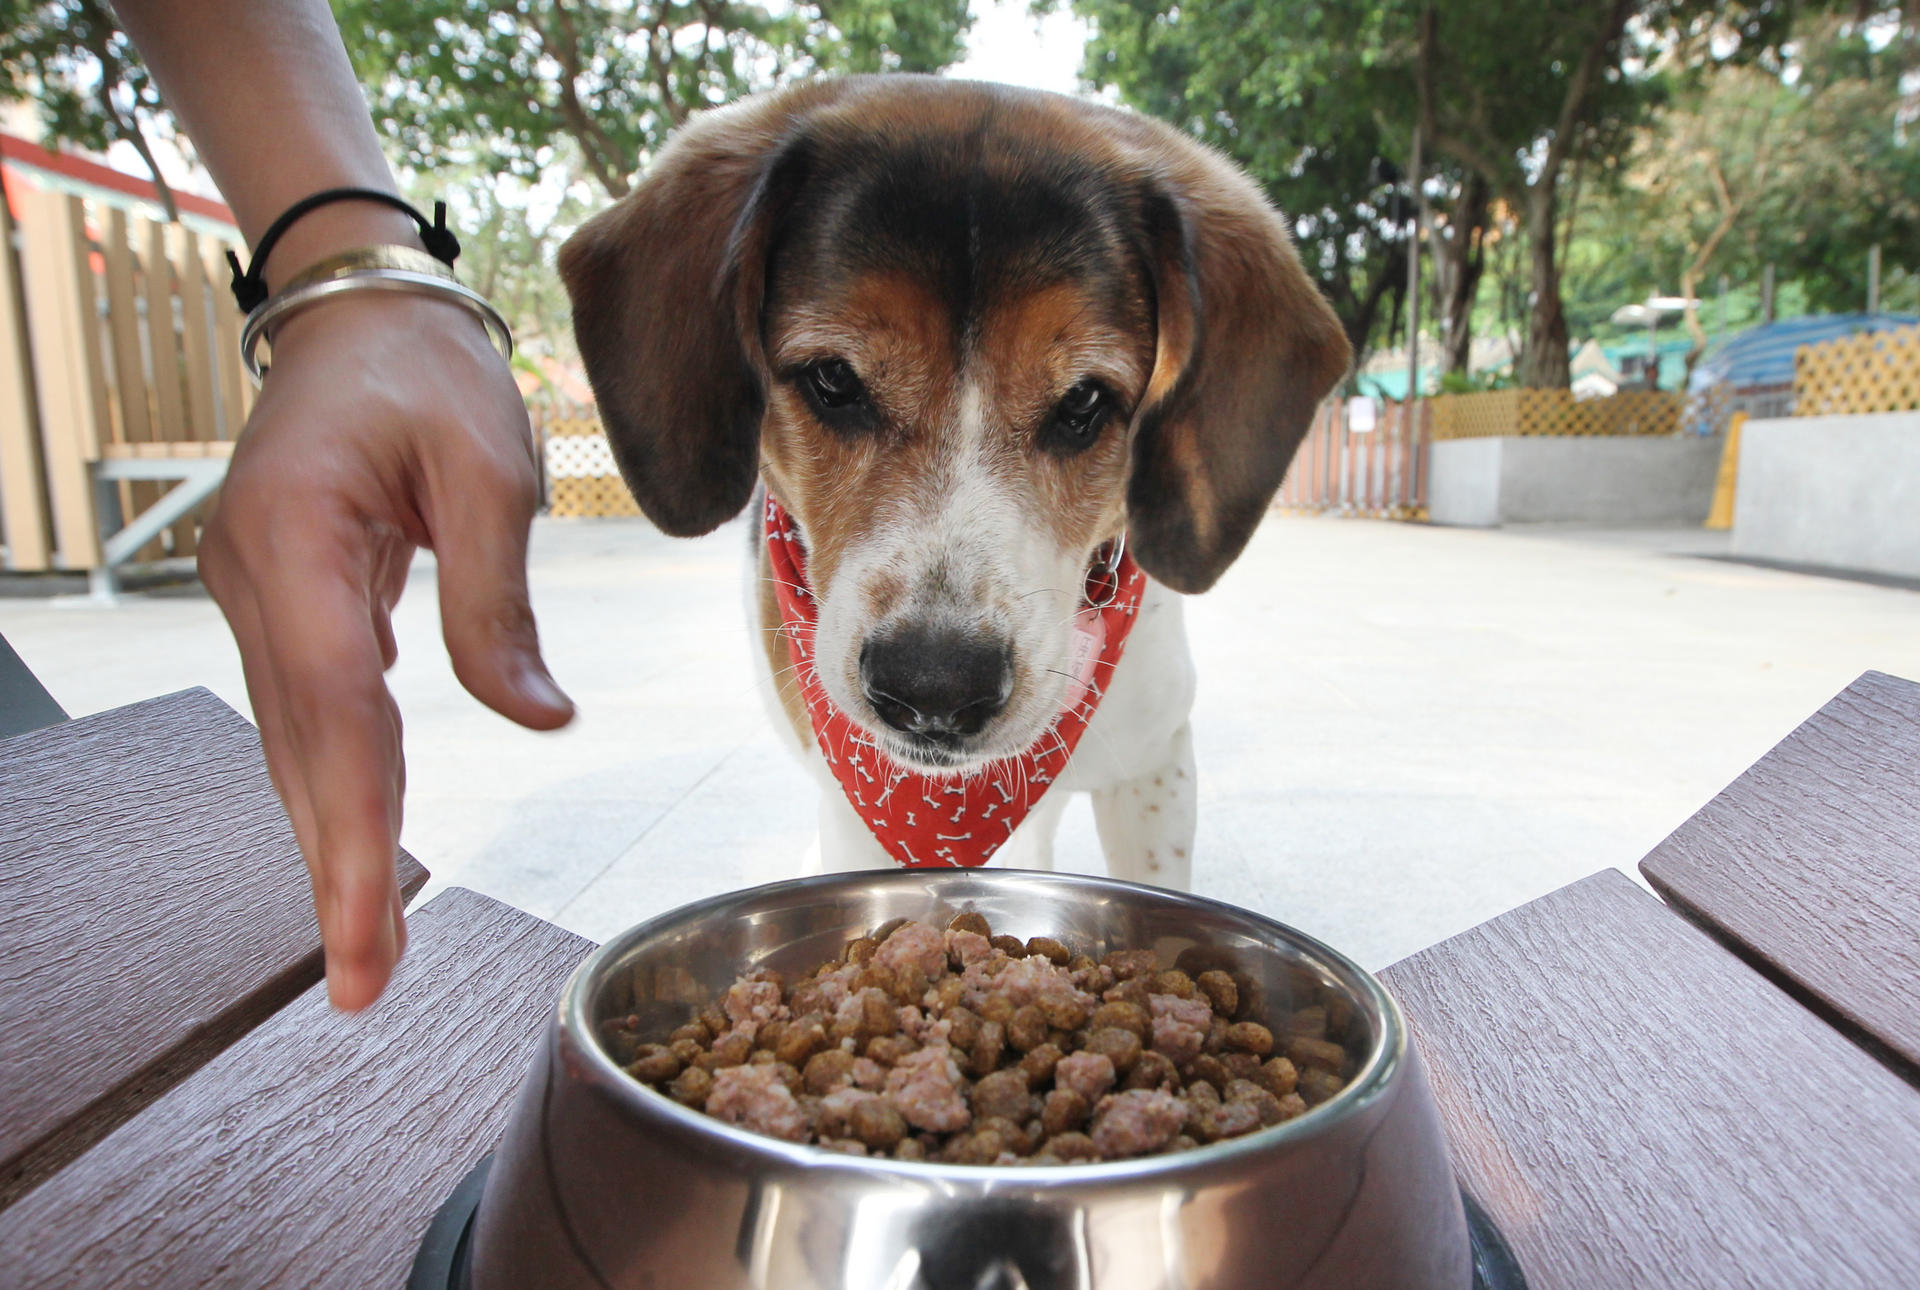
point(480, 539)
point(343, 732)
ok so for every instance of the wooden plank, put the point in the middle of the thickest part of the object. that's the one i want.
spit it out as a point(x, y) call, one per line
point(61, 381)
point(98, 428)
point(1635, 1107)
point(1808, 866)
point(203, 416)
point(153, 908)
point(231, 390)
point(23, 507)
point(170, 405)
point(129, 364)
point(314, 1152)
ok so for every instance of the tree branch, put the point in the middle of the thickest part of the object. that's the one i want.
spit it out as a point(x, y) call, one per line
point(1580, 89)
point(112, 77)
point(595, 147)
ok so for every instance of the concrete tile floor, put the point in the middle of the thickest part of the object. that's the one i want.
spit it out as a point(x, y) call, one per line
point(1401, 730)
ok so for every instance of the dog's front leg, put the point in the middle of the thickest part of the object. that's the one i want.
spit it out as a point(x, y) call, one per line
point(1146, 823)
point(845, 845)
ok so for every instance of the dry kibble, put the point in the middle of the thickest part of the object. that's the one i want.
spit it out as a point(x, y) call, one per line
point(1250, 1037)
point(1208, 1068)
point(1027, 1028)
point(690, 1087)
point(799, 1041)
point(654, 1063)
point(1121, 1047)
point(1220, 991)
point(1127, 964)
point(1339, 1015)
point(733, 1049)
point(1039, 1062)
point(855, 1054)
point(1063, 1110)
point(1153, 1070)
point(997, 1007)
point(1063, 1012)
point(1317, 1085)
point(1279, 1075)
point(827, 1071)
point(1240, 1065)
point(1174, 982)
point(1321, 1053)
point(1003, 1094)
point(875, 1122)
point(971, 922)
point(1126, 1016)
point(1069, 1147)
point(1308, 1023)
point(1051, 950)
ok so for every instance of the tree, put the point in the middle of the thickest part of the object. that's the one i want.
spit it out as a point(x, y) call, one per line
point(1295, 93)
point(470, 82)
point(92, 88)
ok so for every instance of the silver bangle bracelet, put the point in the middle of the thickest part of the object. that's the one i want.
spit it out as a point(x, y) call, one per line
point(375, 279)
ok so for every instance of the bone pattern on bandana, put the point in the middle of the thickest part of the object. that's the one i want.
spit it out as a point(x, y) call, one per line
point(944, 821)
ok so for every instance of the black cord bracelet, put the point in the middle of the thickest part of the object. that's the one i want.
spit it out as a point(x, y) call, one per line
point(250, 287)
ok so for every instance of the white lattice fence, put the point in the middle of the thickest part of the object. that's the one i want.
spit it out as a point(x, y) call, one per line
point(582, 479)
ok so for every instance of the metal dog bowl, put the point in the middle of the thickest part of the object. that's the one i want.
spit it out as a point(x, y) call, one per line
point(602, 1184)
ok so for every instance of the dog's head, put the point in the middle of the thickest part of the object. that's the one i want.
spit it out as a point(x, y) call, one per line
point(966, 334)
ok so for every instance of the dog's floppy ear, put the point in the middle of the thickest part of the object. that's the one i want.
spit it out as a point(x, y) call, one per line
point(666, 290)
point(1247, 348)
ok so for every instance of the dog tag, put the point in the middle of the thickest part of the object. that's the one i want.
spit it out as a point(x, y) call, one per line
point(1089, 639)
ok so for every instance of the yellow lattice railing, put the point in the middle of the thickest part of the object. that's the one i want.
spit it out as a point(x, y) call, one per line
point(1875, 372)
point(1554, 412)
point(582, 479)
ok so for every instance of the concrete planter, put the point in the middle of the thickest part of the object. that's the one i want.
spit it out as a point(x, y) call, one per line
point(1832, 492)
point(1513, 479)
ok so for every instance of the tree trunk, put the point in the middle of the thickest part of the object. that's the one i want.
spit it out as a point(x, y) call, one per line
point(1546, 364)
point(1460, 258)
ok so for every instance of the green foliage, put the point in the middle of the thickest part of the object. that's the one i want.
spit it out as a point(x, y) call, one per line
point(71, 58)
point(1302, 94)
point(1476, 382)
point(469, 82)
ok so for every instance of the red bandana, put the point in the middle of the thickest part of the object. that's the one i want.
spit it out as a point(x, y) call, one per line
point(943, 821)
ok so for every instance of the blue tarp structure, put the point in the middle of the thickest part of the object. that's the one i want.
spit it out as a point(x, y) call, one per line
point(1764, 355)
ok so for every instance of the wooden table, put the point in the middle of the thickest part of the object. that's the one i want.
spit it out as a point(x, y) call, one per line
point(1638, 1099)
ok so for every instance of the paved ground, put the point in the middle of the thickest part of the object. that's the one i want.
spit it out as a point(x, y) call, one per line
point(1401, 730)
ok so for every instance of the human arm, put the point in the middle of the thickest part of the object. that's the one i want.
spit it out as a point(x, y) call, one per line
point(388, 423)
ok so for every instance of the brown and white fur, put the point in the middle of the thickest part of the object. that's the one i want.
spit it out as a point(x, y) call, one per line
point(966, 334)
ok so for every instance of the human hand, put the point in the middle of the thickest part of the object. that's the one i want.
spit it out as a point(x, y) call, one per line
point(387, 423)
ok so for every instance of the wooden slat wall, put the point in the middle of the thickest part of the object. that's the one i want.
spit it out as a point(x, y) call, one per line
point(1380, 473)
point(54, 260)
point(23, 506)
point(155, 372)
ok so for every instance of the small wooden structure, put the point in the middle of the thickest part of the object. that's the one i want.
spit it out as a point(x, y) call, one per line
point(121, 390)
point(1554, 412)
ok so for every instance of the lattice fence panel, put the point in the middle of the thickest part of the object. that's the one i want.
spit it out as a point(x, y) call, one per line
point(582, 479)
point(1554, 412)
point(1875, 372)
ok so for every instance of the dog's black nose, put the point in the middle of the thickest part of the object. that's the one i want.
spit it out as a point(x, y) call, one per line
point(938, 684)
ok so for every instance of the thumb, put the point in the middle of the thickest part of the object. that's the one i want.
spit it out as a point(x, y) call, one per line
point(480, 540)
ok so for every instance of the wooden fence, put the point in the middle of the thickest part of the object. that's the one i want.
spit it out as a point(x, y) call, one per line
point(1554, 412)
point(578, 475)
point(1874, 372)
point(117, 345)
point(1380, 472)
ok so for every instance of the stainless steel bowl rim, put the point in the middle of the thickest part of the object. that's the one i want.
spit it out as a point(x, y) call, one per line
point(1373, 1078)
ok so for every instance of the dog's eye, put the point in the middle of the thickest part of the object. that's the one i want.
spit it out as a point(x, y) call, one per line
point(1078, 418)
point(834, 382)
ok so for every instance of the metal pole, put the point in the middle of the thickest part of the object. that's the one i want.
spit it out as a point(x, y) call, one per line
point(1873, 278)
point(1413, 285)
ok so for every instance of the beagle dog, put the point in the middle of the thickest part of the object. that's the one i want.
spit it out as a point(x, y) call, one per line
point(965, 339)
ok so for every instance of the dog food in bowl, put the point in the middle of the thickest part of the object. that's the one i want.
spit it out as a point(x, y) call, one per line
point(968, 1048)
